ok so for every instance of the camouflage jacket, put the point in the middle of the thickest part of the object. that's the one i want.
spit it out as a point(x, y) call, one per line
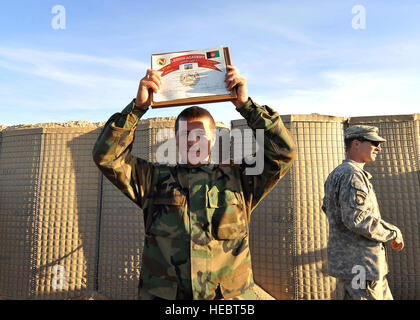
point(356, 231)
point(196, 218)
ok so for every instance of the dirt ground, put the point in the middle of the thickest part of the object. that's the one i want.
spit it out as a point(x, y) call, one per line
point(261, 294)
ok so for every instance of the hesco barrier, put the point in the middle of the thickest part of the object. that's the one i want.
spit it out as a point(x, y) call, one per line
point(48, 211)
point(396, 179)
point(66, 231)
point(289, 232)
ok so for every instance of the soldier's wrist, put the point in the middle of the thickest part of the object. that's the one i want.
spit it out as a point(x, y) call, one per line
point(141, 107)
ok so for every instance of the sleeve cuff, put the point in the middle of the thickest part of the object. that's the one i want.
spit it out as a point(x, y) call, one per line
point(247, 107)
point(134, 111)
point(130, 116)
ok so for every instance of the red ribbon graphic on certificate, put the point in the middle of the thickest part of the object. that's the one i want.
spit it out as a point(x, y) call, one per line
point(200, 59)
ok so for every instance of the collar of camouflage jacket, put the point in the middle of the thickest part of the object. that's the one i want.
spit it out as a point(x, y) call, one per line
point(359, 166)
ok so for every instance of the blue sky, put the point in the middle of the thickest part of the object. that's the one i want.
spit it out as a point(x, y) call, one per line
point(299, 57)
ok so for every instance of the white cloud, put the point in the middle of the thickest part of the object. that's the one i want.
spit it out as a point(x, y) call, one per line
point(65, 86)
point(69, 68)
point(355, 94)
point(33, 56)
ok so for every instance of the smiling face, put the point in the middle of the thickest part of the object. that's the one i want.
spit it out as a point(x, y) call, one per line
point(364, 151)
point(195, 139)
point(369, 150)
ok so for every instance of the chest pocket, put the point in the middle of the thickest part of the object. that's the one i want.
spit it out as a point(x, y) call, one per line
point(228, 215)
point(169, 218)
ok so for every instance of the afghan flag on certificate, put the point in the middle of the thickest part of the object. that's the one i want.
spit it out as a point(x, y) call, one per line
point(213, 54)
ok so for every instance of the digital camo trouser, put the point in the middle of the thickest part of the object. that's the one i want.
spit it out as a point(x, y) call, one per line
point(374, 290)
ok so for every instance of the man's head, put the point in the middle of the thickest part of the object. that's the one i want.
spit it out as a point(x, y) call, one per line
point(362, 143)
point(195, 134)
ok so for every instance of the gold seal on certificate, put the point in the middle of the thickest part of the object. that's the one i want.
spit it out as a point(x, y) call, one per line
point(189, 78)
point(192, 77)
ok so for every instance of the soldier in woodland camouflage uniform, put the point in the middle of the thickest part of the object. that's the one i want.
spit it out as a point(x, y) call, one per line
point(356, 251)
point(196, 216)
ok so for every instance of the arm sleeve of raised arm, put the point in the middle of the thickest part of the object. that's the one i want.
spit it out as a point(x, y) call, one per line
point(357, 212)
point(278, 146)
point(112, 154)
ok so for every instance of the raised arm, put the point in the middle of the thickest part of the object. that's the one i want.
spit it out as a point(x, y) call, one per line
point(278, 145)
point(112, 150)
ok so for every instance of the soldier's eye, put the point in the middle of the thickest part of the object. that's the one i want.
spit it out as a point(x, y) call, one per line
point(198, 133)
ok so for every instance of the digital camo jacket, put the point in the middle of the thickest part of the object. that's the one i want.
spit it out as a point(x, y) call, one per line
point(196, 219)
point(357, 232)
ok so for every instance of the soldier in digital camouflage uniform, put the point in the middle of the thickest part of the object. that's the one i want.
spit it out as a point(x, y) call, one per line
point(357, 234)
point(196, 216)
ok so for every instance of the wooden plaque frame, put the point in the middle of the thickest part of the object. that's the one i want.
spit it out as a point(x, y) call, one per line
point(200, 99)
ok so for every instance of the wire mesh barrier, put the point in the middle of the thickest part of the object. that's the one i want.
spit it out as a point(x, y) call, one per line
point(19, 158)
point(66, 232)
point(289, 232)
point(48, 207)
point(396, 179)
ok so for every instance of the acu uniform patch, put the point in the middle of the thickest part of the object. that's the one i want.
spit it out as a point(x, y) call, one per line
point(360, 190)
point(360, 197)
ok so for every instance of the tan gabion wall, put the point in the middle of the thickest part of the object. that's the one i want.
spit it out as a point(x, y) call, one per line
point(320, 149)
point(289, 231)
point(19, 158)
point(122, 227)
point(48, 210)
point(66, 231)
point(120, 244)
point(271, 228)
point(396, 179)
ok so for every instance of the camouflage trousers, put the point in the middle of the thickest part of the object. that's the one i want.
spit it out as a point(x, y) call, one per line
point(374, 290)
point(181, 294)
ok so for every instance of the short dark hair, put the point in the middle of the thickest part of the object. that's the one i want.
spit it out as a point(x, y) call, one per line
point(194, 112)
point(347, 143)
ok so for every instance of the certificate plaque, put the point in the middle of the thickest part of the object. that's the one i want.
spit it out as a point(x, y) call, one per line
point(192, 77)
